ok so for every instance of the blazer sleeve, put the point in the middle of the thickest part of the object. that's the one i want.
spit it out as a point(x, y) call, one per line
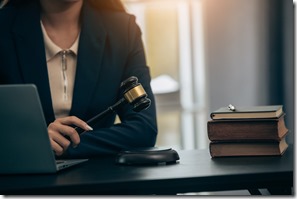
point(137, 129)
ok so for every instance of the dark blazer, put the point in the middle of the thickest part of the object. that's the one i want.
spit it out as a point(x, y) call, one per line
point(110, 50)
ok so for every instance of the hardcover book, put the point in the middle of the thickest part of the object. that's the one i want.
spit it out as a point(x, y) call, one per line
point(252, 112)
point(251, 129)
point(229, 149)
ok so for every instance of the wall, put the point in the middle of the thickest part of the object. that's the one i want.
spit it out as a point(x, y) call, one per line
point(249, 57)
point(235, 52)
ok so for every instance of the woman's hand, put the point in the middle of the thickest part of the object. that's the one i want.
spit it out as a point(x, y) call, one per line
point(62, 127)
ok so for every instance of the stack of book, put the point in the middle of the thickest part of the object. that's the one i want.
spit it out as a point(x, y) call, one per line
point(247, 131)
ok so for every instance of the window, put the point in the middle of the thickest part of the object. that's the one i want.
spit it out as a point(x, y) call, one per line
point(173, 40)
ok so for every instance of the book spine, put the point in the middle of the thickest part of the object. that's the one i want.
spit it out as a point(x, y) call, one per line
point(244, 130)
point(221, 149)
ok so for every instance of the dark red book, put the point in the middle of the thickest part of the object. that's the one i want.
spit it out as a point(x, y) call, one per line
point(231, 149)
point(251, 129)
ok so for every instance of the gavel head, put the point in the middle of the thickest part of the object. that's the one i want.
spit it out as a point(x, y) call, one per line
point(135, 94)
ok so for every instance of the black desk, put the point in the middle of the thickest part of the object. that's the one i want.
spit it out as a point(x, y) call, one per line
point(195, 172)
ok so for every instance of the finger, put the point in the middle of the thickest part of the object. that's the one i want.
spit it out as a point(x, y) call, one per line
point(57, 128)
point(56, 147)
point(68, 131)
point(59, 139)
point(72, 120)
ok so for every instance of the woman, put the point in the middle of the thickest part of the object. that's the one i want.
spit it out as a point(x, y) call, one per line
point(77, 53)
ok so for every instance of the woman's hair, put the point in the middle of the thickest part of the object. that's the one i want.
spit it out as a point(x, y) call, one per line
point(115, 5)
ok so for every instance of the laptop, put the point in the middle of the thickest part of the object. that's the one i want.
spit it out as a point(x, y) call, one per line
point(24, 141)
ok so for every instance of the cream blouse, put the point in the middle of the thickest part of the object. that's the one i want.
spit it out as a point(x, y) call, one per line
point(61, 66)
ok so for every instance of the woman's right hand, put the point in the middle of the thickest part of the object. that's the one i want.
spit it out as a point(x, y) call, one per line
point(62, 127)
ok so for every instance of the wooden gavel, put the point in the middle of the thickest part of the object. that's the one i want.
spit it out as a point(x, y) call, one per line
point(133, 94)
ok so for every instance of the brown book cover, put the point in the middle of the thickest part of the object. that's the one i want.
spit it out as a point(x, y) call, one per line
point(247, 112)
point(231, 149)
point(252, 129)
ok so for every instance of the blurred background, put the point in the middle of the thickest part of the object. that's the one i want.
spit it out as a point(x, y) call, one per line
point(205, 54)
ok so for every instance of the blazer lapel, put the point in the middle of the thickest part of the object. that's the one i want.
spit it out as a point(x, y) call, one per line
point(90, 54)
point(31, 54)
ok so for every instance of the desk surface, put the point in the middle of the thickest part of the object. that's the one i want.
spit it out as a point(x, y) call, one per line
point(195, 172)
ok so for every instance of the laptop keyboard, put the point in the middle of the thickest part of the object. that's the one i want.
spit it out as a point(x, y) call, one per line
point(60, 161)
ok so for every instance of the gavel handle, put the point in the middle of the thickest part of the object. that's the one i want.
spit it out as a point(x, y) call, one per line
point(101, 115)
